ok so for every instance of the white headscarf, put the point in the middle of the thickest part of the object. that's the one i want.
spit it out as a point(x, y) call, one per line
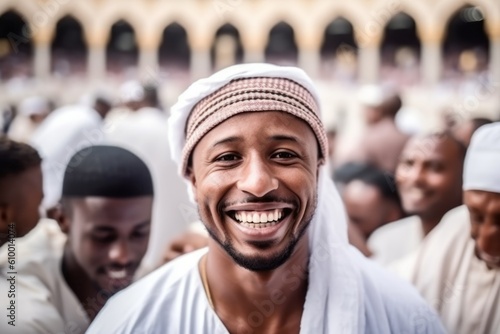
point(482, 162)
point(334, 283)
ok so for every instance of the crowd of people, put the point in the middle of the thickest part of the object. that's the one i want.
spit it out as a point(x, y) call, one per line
point(223, 215)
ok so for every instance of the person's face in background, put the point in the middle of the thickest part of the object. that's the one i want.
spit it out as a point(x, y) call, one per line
point(484, 209)
point(23, 195)
point(429, 176)
point(367, 208)
point(107, 238)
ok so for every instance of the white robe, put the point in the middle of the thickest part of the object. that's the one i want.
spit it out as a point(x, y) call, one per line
point(63, 133)
point(395, 240)
point(451, 278)
point(172, 300)
point(145, 133)
point(44, 302)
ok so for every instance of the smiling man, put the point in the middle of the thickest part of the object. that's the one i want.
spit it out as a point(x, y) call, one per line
point(250, 141)
point(457, 269)
point(107, 201)
point(429, 180)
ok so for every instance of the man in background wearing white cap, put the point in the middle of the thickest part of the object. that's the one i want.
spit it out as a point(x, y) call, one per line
point(67, 130)
point(457, 269)
point(250, 141)
point(143, 129)
point(31, 113)
point(382, 141)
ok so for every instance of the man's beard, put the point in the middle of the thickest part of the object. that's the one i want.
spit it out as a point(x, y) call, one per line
point(259, 263)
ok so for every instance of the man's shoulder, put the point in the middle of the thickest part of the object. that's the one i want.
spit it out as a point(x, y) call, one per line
point(395, 239)
point(166, 293)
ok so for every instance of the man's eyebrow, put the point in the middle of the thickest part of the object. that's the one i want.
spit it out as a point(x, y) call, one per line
point(286, 138)
point(231, 139)
point(107, 228)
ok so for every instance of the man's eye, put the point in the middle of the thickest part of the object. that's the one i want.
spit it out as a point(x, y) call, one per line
point(227, 157)
point(103, 238)
point(284, 155)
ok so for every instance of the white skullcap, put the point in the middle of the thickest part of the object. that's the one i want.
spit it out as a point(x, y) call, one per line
point(482, 162)
point(35, 105)
point(204, 87)
point(371, 96)
point(131, 91)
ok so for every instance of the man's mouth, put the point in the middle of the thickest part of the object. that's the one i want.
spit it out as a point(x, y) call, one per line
point(416, 194)
point(117, 274)
point(489, 259)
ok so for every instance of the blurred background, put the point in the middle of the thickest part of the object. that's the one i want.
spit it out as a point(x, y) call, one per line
point(442, 56)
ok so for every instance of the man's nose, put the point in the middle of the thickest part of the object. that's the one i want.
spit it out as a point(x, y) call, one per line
point(119, 252)
point(485, 238)
point(257, 177)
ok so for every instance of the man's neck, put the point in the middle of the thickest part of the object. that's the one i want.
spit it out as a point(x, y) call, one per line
point(258, 301)
point(429, 222)
point(81, 285)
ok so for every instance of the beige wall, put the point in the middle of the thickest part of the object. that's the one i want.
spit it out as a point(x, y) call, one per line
point(253, 19)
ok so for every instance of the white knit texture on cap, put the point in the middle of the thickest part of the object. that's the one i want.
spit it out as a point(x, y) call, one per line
point(204, 87)
point(482, 162)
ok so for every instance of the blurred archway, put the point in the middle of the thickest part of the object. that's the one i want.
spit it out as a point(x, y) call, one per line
point(69, 52)
point(339, 51)
point(281, 47)
point(466, 45)
point(227, 48)
point(16, 49)
point(400, 51)
point(122, 51)
point(174, 53)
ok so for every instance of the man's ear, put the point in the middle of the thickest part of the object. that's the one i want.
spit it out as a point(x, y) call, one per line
point(6, 217)
point(321, 162)
point(57, 213)
point(192, 180)
point(5, 214)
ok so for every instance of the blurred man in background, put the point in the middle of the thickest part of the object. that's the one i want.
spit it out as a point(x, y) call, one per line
point(429, 180)
point(457, 269)
point(66, 131)
point(382, 141)
point(143, 130)
point(371, 200)
point(107, 200)
point(31, 113)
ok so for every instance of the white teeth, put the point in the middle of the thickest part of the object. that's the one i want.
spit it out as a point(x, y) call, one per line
point(257, 226)
point(117, 274)
point(259, 217)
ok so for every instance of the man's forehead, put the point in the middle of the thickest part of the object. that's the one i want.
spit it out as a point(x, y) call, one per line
point(428, 147)
point(268, 125)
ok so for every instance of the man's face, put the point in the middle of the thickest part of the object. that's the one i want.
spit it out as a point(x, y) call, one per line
point(25, 200)
point(484, 209)
point(429, 176)
point(255, 177)
point(365, 206)
point(109, 237)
